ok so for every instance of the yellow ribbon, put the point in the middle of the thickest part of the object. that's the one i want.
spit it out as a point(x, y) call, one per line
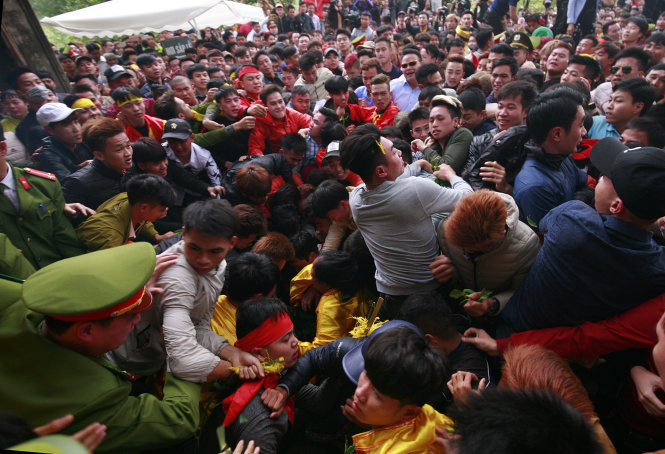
point(82, 103)
point(130, 98)
point(380, 147)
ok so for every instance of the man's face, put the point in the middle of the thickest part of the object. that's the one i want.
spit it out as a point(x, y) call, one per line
point(309, 75)
point(244, 59)
point(454, 74)
point(289, 80)
point(199, 80)
point(253, 84)
point(68, 65)
point(410, 65)
point(107, 337)
point(134, 112)
point(395, 165)
point(557, 61)
point(371, 407)
point(630, 136)
point(117, 154)
point(510, 112)
point(614, 32)
point(153, 71)
point(656, 50)
point(87, 66)
point(420, 129)
point(332, 61)
point(265, 65)
point(441, 123)
point(364, 22)
point(343, 43)
point(466, 20)
point(501, 75)
point(656, 77)
point(492, 57)
point(217, 60)
point(230, 106)
point(301, 102)
point(450, 24)
point(334, 168)
point(380, 94)
point(280, 11)
point(182, 148)
point(660, 23)
point(16, 107)
point(184, 91)
point(285, 347)
point(383, 53)
point(368, 75)
point(603, 58)
point(316, 124)
point(456, 50)
point(26, 81)
point(631, 34)
point(435, 80)
point(571, 139)
point(520, 55)
point(155, 168)
point(186, 64)
point(67, 131)
point(89, 113)
point(205, 252)
point(275, 105)
point(292, 158)
point(621, 109)
point(573, 73)
point(471, 119)
point(303, 41)
point(585, 46)
point(94, 87)
point(341, 213)
point(625, 68)
point(340, 99)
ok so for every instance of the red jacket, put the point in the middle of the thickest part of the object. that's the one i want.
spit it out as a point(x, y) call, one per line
point(631, 329)
point(155, 129)
point(386, 118)
point(266, 137)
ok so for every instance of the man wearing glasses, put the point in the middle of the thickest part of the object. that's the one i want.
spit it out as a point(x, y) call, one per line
point(630, 63)
point(405, 89)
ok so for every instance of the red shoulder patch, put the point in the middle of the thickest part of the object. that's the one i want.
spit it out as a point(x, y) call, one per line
point(39, 173)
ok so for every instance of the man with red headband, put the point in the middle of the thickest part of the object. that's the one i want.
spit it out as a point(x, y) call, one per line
point(250, 79)
point(55, 333)
point(265, 330)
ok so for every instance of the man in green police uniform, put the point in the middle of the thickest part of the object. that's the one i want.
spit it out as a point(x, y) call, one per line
point(54, 338)
point(31, 213)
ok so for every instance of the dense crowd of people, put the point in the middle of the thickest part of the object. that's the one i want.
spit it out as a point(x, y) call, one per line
point(356, 226)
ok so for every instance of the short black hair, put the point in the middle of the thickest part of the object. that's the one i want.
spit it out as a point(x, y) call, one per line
point(640, 90)
point(640, 22)
point(269, 90)
point(424, 71)
point(473, 99)
point(330, 131)
point(307, 61)
point(289, 52)
point(166, 106)
point(224, 91)
point(151, 189)
point(360, 151)
point(534, 423)
point(553, 108)
point(145, 60)
point(419, 113)
point(327, 196)
point(196, 68)
point(591, 66)
point(294, 142)
point(638, 54)
point(250, 274)
point(12, 77)
point(338, 270)
point(401, 365)
point(336, 84)
point(511, 62)
point(304, 243)
point(147, 149)
point(252, 313)
point(502, 48)
point(483, 36)
point(214, 217)
point(525, 90)
point(429, 312)
point(455, 42)
point(343, 31)
point(123, 93)
point(429, 92)
point(652, 128)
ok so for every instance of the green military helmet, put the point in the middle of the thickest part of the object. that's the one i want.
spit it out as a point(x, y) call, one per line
point(93, 286)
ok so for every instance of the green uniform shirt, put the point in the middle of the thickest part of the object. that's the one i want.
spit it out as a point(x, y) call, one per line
point(109, 227)
point(42, 380)
point(40, 229)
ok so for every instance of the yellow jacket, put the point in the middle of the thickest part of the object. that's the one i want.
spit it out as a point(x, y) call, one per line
point(223, 322)
point(413, 436)
point(334, 317)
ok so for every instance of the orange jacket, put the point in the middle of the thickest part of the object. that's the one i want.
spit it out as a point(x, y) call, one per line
point(266, 137)
point(155, 129)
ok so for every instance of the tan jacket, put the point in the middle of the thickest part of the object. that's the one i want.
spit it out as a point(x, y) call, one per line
point(502, 269)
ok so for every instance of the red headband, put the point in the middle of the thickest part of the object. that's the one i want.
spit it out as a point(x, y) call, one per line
point(266, 333)
point(247, 69)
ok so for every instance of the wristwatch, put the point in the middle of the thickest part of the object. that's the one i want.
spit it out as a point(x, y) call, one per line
point(494, 308)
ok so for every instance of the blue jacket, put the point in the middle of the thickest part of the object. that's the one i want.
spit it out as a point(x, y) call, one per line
point(543, 184)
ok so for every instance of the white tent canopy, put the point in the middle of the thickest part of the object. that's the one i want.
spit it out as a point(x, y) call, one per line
point(125, 17)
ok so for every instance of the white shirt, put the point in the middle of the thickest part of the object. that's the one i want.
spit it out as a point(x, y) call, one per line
point(9, 184)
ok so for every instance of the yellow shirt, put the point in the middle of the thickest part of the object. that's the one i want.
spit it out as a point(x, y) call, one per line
point(223, 321)
point(334, 317)
point(413, 436)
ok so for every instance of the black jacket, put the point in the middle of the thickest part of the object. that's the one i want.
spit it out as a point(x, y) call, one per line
point(91, 185)
point(275, 163)
point(54, 157)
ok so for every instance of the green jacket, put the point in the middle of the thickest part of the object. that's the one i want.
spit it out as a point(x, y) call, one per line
point(109, 227)
point(454, 153)
point(12, 261)
point(42, 380)
point(40, 229)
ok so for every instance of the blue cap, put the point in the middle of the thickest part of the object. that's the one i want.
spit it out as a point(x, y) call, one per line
point(354, 361)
